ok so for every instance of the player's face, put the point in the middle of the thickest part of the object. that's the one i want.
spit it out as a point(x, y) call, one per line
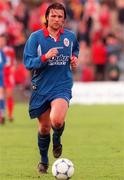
point(55, 19)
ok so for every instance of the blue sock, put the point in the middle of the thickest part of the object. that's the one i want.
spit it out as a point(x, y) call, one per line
point(57, 134)
point(43, 144)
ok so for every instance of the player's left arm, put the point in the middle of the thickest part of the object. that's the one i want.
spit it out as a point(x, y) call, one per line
point(74, 63)
point(74, 53)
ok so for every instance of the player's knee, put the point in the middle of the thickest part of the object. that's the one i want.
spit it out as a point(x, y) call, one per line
point(57, 123)
point(57, 120)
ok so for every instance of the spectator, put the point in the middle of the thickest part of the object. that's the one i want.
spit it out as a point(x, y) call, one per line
point(113, 45)
point(104, 18)
point(99, 58)
point(83, 33)
point(113, 71)
point(121, 12)
point(85, 70)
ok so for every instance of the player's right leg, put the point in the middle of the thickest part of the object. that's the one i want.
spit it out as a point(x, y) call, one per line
point(44, 126)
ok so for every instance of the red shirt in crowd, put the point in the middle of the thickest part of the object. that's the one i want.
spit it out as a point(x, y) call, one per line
point(99, 52)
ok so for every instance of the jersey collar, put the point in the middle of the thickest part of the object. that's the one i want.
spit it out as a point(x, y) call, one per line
point(47, 34)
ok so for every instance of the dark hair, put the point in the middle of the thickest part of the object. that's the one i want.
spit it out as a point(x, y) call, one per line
point(56, 5)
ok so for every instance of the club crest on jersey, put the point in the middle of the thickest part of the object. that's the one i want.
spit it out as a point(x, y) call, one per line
point(66, 42)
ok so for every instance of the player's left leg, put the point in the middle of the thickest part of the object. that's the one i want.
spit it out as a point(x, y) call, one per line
point(58, 112)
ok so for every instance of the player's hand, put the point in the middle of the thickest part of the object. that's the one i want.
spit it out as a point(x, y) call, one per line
point(74, 62)
point(51, 53)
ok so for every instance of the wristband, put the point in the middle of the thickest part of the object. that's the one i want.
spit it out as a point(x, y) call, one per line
point(43, 58)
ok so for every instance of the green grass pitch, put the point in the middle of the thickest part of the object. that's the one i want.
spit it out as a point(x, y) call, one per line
point(93, 140)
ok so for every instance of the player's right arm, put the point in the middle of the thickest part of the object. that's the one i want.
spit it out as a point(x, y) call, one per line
point(31, 58)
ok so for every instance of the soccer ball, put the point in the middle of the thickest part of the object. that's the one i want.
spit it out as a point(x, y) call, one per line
point(63, 169)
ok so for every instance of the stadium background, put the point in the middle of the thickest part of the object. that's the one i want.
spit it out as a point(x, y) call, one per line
point(99, 25)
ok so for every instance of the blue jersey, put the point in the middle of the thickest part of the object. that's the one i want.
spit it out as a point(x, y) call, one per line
point(2, 63)
point(55, 74)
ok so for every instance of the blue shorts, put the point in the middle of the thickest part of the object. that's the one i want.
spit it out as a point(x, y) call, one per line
point(40, 103)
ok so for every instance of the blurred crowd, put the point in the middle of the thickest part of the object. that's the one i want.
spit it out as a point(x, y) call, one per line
point(98, 24)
